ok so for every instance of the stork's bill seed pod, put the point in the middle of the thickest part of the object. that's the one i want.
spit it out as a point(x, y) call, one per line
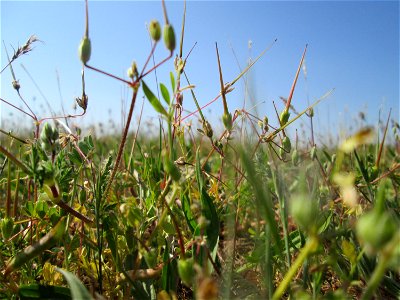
point(169, 37)
point(85, 49)
point(155, 30)
point(284, 117)
point(286, 144)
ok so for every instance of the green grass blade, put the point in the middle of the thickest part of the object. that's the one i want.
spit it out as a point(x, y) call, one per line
point(154, 100)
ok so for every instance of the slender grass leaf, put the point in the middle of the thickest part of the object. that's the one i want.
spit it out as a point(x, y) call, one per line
point(78, 290)
point(154, 100)
point(191, 221)
point(43, 292)
point(165, 93)
point(263, 200)
point(211, 215)
point(171, 76)
point(46, 242)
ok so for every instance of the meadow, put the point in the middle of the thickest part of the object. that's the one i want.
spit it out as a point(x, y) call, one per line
point(253, 211)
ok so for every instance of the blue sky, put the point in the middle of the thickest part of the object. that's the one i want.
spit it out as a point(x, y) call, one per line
point(353, 48)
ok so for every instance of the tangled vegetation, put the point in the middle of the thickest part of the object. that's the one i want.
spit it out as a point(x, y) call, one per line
point(253, 213)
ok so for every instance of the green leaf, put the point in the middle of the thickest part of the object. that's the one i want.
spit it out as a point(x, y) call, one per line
point(165, 93)
point(154, 100)
point(209, 211)
point(78, 290)
point(171, 75)
point(191, 221)
point(43, 292)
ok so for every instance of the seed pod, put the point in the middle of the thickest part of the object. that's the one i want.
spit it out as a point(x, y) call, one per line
point(155, 30)
point(132, 71)
point(7, 226)
point(304, 212)
point(284, 117)
point(85, 50)
point(295, 157)
point(286, 144)
point(375, 229)
point(311, 112)
point(16, 85)
point(313, 152)
point(227, 120)
point(169, 37)
point(172, 169)
point(186, 271)
point(282, 153)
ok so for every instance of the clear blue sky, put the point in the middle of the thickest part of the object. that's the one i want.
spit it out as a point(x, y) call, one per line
point(353, 47)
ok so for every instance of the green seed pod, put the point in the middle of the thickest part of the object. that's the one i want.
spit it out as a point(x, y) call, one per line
point(313, 152)
point(172, 169)
point(227, 120)
point(375, 230)
point(169, 37)
point(186, 271)
point(311, 112)
point(7, 226)
point(304, 212)
point(132, 71)
point(282, 153)
point(295, 157)
point(284, 117)
point(286, 144)
point(85, 50)
point(155, 30)
point(207, 129)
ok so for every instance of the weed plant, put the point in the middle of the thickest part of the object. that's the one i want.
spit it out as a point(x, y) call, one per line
point(246, 214)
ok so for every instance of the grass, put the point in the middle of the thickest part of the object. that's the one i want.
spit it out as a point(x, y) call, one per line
point(253, 213)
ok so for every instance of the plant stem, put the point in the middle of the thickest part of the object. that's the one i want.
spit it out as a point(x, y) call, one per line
point(310, 246)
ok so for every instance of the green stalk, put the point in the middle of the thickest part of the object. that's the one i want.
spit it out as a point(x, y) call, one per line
point(380, 269)
point(310, 247)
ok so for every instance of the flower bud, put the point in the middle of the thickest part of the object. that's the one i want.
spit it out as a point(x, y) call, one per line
point(207, 129)
point(311, 112)
point(155, 30)
point(284, 117)
point(186, 271)
point(169, 37)
point(375, 230)
point(85, 49)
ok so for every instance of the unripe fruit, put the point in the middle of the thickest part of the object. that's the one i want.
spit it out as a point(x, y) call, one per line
point(7, 226)
point(186, 271)
point(227, 120)
point(311, 112)
point(286, 144)
point(172, 169)
point(295, 157)
point(313, 152)
point(155, 30)
point(284, 117)
point(169, 37)
point(207, 129)
point(375, 229)
point(304, 212)
point(282, 153)
point(85, 49)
